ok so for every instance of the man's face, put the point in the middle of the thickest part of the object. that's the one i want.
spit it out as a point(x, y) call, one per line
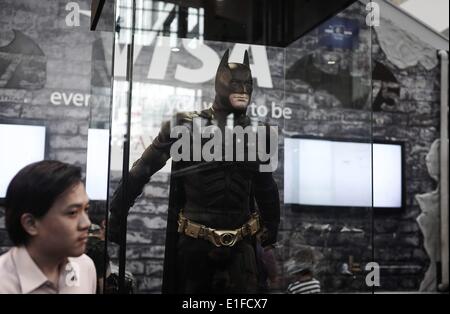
point(63, 231)
point(239, 101)
point(235, 84)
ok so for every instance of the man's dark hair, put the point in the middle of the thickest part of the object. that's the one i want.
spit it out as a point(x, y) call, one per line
point(33, 190)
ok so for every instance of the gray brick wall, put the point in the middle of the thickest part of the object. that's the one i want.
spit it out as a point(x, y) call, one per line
point(69, 55)
point(414, 120)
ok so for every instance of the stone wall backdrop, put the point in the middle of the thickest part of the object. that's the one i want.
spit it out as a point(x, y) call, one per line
point(413, 119)
point(405, 108)
point(53, 73)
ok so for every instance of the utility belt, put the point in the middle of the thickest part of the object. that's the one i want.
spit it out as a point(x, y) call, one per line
point(218, 237)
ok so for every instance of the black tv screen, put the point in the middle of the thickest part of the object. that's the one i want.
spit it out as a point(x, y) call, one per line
point(323, 172)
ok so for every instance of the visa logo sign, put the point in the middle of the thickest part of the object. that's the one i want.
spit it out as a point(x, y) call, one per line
point(207, 56)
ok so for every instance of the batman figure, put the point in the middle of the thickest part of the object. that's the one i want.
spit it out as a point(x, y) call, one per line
point(214, 225)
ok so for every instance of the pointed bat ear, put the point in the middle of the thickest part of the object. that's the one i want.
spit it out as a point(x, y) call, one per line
point(224, 61)
point(246, 62)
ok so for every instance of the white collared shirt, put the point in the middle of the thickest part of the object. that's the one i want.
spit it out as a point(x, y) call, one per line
point(20, 274)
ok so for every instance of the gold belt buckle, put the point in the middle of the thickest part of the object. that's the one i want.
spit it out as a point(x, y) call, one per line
point(226, 237)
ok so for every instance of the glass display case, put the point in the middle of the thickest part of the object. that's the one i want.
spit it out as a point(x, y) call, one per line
point(351, 153)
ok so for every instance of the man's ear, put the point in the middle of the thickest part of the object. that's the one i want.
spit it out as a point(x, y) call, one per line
point(29, 224)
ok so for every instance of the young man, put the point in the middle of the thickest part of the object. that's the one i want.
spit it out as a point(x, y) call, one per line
point(46, 218)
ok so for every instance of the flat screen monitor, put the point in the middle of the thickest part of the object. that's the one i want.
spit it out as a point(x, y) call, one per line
point(20, 145)
point(321, 172)
point(97, 164)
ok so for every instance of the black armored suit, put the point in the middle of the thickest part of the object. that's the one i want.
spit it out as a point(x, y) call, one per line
point(212, 218)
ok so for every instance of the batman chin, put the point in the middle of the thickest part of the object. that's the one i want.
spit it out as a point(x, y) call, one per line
point(234, 86)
